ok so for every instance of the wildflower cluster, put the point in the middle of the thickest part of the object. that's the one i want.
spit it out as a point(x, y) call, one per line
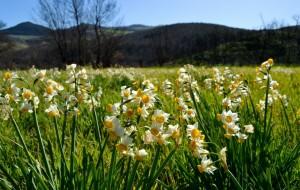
point(125, 125)
point(12, 94)
point(185, 95)
point(230, 85)
point(128, 140)
point(265, 80)
point(233, 89)
point(9, 93)
point(231, 126)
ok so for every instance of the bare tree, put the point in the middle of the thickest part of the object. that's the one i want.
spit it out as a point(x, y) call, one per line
point(109, 47)
point(2, 25)
point(78, 14)
point(55, 15)
point(70, 22)
point(5, 43)
point(103, 12)
point(160, 45)
point(296, 19)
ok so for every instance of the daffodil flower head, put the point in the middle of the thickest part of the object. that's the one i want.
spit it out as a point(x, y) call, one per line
point(206, 166)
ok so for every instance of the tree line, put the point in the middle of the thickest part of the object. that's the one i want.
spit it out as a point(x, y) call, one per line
point(82, 32)
point(79, 29)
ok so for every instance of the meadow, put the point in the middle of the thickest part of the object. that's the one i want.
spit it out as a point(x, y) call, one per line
point(150, 128)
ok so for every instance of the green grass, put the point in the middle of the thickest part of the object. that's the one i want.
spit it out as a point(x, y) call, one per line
point(77, 151)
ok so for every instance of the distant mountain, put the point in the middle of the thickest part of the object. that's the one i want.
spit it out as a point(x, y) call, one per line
point(26, 29)
point(31, 29)
point(134, 28)
point(164, 43)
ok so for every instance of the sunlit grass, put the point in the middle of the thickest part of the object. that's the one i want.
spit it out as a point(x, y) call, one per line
point(170, 135)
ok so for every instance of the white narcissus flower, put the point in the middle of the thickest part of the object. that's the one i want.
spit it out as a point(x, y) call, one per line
point(161, 138)
point(50, 92)
point(111, 122)
point(206, 166)
point(148, 84)
point(124, 144)
point(137, 94)
point(52, 89)
point(82, 96)
point(147, 97)
point(184, 78)
point(113, 127)
point(259, 80)
point(181, 104)
point(140, 154)
point(284, 99)
point(226, 103)
point(200, 153)
point(241, 137)
point(126, 93)
point(159, 117)
point(274, 84)
point(52, 111)
point(228, 117)
point(36, 101)
point(55, 85)
point(173, 131)
point(261, 105)
point(13, 91)
point(71, 67)
point(26, 107)
point(208, 83)
point(167, 88)
point(231, 128)
point(92, 103)
point(148, 138)
point(267, 64)
point(130, 130)
point(249, 128)
point(223, 158)
point(181, 70)
point(99, 93)
point(82, 74)
point(115, 108)
point(194, 85)
point(156, 129)
point(193, 132)
point(27, 94)
point(236, 102)
point(116, 132)
point(142, 111)
point(196, 144)
point(40, 74)
point(189, 114)
point(9, 75)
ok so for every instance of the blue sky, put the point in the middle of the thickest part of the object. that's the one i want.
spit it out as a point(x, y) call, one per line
point(237, 13)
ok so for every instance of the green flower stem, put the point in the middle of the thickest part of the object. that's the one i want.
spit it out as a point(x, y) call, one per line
point(45, 160)
point(238, 186)
point(59, 144)
point(20, 136)
point(96, 121)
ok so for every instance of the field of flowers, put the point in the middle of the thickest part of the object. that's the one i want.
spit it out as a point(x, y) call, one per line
point(150, 128)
